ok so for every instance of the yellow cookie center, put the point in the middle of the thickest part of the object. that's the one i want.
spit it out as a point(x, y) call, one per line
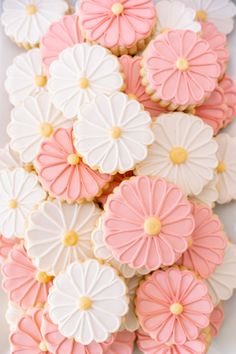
point(43, 347)
point(176, 309)
point(13, 204)
point(40, 80)
point(190, 242)
point(83, 83)
point(115, 132)
point(182, 64)
point(117, 8)
point(31, 9)
point(73, 159)
point(85, 303)
point(45, 129)
point(70, 238)
point(29, 167)
point(221, 167)
point(178, 155)
point(132, 96)
point(43, 277)
point(201, 15)
point(152, 226)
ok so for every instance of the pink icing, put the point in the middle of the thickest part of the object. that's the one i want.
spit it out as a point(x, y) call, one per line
point(229, 88)
point(59, 178)
point(6, 246)
point(208, 243)
point(216, 320)
point(19, 280)
point(123, 343)
point(218, 43)
point(159, 292)
point(182, 88)
point(60, 35)
point(131, 67)
point(127, 210)
point(104, 27)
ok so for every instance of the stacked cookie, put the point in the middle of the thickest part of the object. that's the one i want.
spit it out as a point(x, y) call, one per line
point(114, 164)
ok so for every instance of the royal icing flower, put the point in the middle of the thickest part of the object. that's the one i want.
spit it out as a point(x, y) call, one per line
point(25, 77)
point(220, 12)
point(226, 169)
point(88, 302)
point(9, 158)
point(24, 285)
point(13, 314)
point(207, 244)
point(173, 306)
point(183, 152)
point(6, 246)
point(147, 223)
point(131, 67)
point(209, 194)
point(222, 282)
point(32, 122)
point(65, 236)
point(180, 17)
point(61, 34)
point(26, 21)
point(62, 172)
point(118, 24)
point(27, 337)
point(229, 88)
point(81, 73)
point(20, 192)
point(180, 69)
point(113, 133)
point(123, 343)
point(216, 320)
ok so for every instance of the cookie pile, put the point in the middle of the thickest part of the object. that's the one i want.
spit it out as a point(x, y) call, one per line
point(115, 162)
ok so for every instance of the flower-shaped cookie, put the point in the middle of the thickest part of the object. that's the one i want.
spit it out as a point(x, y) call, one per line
point(20, 192)
point(180, 69)
point(88, 302)
point(173, 306)
point(9, 158)
point(209, 194)
point(124, 26)
point(26, 21)
point(24, 285)
point(63, 174)
point(229, 88)
point(183, 152)
point(112, 133)
point(207, 244)
point(147, 223)
point(25, 77)
point(13, 314)
point(63, 238)
point(226, 169)
point(60, 35)
point(32, 122)
point(216, 319)
point(81, 73)
point(6, 246)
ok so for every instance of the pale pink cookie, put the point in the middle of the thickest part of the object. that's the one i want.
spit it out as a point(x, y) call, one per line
point(24, 285)
point(147, 223)
point(218, 43)
point(229, 88)
point(216, 320)
point(6, 245)
point(60, 35)
point(207, 244)
point(131, 67)
point(27, 338)
point(123, 26)
point(148, 345)
point(179, 69)
point(63, 174)
point(123, 343)
point(173, 306)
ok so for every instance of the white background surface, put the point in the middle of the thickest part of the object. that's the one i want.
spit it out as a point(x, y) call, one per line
point(226, 341)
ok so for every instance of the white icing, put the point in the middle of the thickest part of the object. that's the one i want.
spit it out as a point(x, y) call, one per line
point(13, 314)
point(209, 194)
point(131, 322)
point(9, 158)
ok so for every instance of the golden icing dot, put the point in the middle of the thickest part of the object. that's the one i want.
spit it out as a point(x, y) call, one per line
point(176, 309)
point(43, 346)
point(45, 129)
point(115, 132)
point(73, 159)
point(85, 303)
point(117, 8)
point(132, 96)
point(201, 15)
point(221, 167)
point(164, 30)
point(182, 64)
point(13, 203)
point(29, 167)
point(43, 277)
point(83, 83)
point(40, 80)
point(178, 155)
point(70, 238)
point(152, 226)
point(190, 242)
point(31, 9)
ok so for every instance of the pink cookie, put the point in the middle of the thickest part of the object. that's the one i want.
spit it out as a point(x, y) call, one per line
point(218, 43)
point(60, 35)
point(216, 320)
point(24, 285)
point(131, 67)
point(229, 88)
point(180, 69)
point(63, 174)
point(207, 244)
point(147, 222)
point(123, 343)
point(173, 306)
point(6, 245)
point(120, 25)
